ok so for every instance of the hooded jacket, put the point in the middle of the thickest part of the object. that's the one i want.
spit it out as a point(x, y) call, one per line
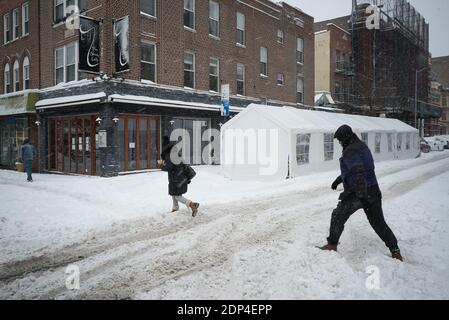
point(27, 151)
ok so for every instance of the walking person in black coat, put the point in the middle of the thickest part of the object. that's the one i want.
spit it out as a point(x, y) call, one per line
point(27, 154)
point(361, 191)
point(179, 177)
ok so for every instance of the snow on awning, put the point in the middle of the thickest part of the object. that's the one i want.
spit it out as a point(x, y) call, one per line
point(143, 100)
point(70, 100)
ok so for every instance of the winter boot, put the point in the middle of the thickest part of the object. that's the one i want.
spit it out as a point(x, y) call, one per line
point(397, 255)
point(194, 206)
point(329, 247)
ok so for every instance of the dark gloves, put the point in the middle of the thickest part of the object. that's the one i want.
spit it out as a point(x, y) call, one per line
point(336, 183)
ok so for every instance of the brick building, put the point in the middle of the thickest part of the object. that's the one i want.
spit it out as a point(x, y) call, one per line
point(180, 53)
point(440, 91)
point(333, 51)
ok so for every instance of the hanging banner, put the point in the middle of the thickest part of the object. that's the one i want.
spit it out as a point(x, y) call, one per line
point(89, 45)
point(121, 36)
point(225, 90)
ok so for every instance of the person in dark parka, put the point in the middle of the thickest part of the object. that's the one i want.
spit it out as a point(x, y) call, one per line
point(27, 154)
point(361, 191)
point(177, 178)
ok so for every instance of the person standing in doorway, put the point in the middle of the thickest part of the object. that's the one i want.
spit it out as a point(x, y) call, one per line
point(179, 177)
point(361, 191)
point(28, 152)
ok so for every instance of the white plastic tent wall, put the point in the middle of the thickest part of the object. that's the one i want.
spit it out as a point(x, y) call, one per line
point(247, 153)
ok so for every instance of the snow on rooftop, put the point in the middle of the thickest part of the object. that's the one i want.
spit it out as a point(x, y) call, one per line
point(294, 119)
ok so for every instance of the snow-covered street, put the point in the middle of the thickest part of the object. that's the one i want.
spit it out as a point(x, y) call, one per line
point(251, 240)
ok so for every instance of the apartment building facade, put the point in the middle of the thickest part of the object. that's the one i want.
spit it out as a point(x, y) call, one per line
point(180, 55)
point(439, 92)
point(333, 50)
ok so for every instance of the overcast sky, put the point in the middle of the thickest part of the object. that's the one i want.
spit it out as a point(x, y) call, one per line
point(436, 12)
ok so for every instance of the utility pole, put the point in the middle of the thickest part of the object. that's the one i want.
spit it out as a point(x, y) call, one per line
point(416, 96)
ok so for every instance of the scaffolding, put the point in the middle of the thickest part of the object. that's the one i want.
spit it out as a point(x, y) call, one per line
point(386, 60)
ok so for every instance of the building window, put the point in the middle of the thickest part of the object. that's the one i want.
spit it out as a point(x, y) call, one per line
point(148, 7)
point(26, 73)
point(280, 79)
point(328, 147)
point(66, 66)
point(300, 90)
point(280, 36)
point(25, 19)
point(148, 62)
point(16, 76)
point(300, 50)
point(214, 72)
point(407, 141)
point(378, 140)
point(214, 18)
point(6, 79)
point(365, 137)
point(15, 24)
point(264, 61)
point(240, 79)
point(6, 29)
point(399, 142)
point(62, 8)
point(240, 29)
point(189, 70)
point(390, 142)
point(189, 14)
point(302, 148)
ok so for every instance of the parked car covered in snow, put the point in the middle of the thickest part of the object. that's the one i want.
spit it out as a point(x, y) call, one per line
point(425, 146)
point(444, 140)
point(435, 144)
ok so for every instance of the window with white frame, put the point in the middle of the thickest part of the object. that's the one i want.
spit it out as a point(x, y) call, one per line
point(240, 79)
point(66, 66)
point(148, 7)
point(25, 18)
point(302, 148)
point(26, 73)
point(148, 61)
point(365, 137)
point(6, 79)
point(15, 24)
point(214, 74)
point(299, 90)
point(378, 140)
point(62, 8)
point(328, 147)
point(280, 36)
point(264, 61)
point(408, 141)
point(6, 29)
point(16, 76)
point(390, 142)
point(214, 18)
point(189, 14)
point(240, 29)
point(300, 50)
point(280, 79)
point(399, 142)
point(189, 70)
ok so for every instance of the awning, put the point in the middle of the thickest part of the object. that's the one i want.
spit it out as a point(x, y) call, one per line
point(143, 100)
point(70, 100)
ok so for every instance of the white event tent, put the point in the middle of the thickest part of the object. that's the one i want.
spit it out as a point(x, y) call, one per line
point(265, 142)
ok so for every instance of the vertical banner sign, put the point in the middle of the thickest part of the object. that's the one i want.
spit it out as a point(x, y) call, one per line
point(89, 45)
point(121, 36)
point(225, 100)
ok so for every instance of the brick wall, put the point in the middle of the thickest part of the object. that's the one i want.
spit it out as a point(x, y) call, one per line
point(166, 30)
point(23, 46)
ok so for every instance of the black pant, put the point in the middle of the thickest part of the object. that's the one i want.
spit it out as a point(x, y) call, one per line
point(374, 213)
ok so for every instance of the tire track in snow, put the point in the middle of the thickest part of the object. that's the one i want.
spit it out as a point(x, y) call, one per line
point(193, 257)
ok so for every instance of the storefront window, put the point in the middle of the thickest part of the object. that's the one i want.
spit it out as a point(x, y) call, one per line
point(12, 133)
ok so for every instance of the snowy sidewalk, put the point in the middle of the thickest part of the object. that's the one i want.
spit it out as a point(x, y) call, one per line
point(251, 240)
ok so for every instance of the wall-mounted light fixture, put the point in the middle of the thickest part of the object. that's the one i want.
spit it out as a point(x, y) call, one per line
point(98, 120)
point(172, 122)
point(38, 123)
point(116, 119)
